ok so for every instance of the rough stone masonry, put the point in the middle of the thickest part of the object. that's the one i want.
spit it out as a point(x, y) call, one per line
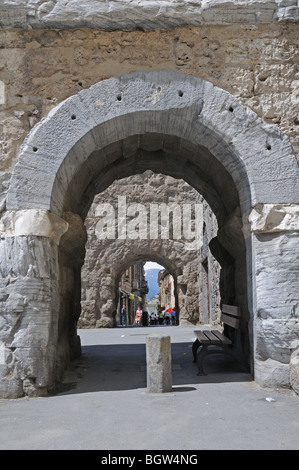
point(106, 259)
point(214, 88)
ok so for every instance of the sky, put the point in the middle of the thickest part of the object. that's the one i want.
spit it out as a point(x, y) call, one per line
point(152, 265)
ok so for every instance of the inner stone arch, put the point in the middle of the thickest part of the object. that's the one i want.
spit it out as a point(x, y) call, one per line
point(103, 301)
point(203, 135)
point(165, 154)
point(174, 199)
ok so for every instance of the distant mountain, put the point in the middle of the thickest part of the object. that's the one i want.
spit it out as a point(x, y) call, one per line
point(151, 276)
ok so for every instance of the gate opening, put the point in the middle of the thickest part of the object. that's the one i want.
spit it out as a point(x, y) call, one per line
point(204, 136)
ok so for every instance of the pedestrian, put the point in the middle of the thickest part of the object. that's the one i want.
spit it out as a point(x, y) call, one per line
point(144, 318)
point(123, 315)
point(153, 318)
point(138, 316)
point(173, 316)
point(161, 317)
point(166, 317)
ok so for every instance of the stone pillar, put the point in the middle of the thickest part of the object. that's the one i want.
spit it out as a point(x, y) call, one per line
point(275, 291)
point(158, 361)
point(29, 293)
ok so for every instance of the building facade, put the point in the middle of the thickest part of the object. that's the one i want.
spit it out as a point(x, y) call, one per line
point(132, 292)
point(166, 291)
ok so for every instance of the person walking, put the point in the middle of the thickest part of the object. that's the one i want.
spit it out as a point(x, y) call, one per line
point(173, 317)
point(123, 315)
point(144, 318)
point(166, 317)
point(138, 316)
point(153, 318)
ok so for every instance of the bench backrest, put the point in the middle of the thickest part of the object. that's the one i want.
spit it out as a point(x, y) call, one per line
point(230, 315)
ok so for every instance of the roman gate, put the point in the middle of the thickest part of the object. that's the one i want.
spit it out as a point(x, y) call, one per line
point(158, 218)
point(206, 93)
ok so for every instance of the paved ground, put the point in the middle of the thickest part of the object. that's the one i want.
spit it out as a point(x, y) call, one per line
point(103, 403)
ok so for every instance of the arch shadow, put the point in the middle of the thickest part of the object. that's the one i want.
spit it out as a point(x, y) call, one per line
point(117, 367)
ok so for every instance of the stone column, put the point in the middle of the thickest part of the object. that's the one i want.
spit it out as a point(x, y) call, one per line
point(274, 300)
point(29, 292)
point(158, 361)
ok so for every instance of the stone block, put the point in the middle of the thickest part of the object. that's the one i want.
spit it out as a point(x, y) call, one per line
point(271, 373)
point(152, 14)
point(158, 361)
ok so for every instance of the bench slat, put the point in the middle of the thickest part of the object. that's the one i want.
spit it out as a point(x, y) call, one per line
point(232, 309)
point(213, 339)
point(202, 337)
point(222, 337)
point(231, 321)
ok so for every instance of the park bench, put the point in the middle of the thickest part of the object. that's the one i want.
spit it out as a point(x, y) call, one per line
point(214, 341)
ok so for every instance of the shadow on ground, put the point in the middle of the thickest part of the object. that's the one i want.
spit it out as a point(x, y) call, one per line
point(118, 367)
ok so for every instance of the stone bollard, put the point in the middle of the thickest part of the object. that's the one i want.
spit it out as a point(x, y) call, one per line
point(158, 362)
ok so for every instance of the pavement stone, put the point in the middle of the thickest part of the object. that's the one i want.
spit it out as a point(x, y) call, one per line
point(103, 403)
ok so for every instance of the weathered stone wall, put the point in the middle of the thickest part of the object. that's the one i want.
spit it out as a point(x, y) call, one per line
point(49, 53)
point(167, 134)
point(106, 258)
point(40, 68)
point(129, 14)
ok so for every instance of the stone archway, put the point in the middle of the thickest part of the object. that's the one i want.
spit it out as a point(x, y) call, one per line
point(173, 124)
point(156, 199)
